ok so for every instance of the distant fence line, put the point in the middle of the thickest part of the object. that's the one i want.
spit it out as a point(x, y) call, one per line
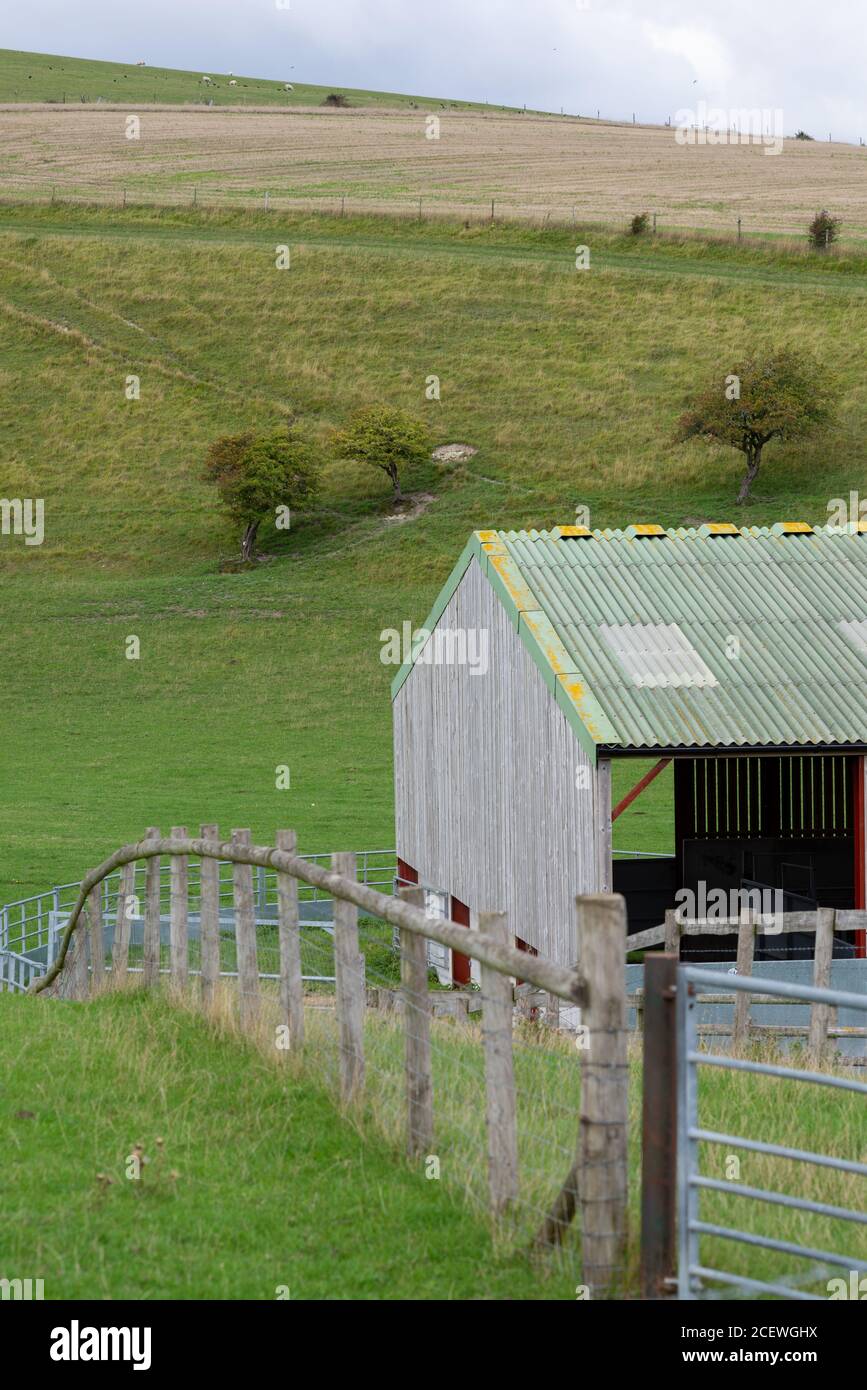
point(507, 959)
point(418, 208)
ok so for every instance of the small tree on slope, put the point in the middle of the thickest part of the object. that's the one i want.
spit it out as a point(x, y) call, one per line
point(385, 438)
point(781, 395)
point(256, 475)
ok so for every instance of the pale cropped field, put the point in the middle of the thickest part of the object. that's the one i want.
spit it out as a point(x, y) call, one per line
point(531, 165)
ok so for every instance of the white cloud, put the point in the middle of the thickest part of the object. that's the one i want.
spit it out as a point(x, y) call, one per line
point(706, 53)
point(618, 56)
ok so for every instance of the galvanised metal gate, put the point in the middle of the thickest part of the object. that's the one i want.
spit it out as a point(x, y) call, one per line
point(29, 928)
point(690, 1182)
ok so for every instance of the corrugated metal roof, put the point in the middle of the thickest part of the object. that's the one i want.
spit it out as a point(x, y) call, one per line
point(763, 609)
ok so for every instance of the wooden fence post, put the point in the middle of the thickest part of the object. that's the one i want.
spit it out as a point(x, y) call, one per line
point(746, 954)
point(151, 961)
point(638, 1004)
point(416, 1004)
point(72, 982)
point(179, 915)
point(120, 945)
point(820, 1014)
point(672, 933)
point(291, 983)
point(97, 940)
point(602, 1167)
point(659, 1127)
point(349, 986)
point(209, 919)
point(245, 935)
point(499, 1071)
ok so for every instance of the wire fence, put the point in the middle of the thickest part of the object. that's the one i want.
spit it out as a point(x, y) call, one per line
point(481, 1088)
point(489, 1102)
point(429, 208)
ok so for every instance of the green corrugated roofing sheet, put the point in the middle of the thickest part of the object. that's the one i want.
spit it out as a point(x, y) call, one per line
point(752, 633)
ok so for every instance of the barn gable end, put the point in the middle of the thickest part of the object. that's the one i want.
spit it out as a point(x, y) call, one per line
point(738, 653)
point(489, 775)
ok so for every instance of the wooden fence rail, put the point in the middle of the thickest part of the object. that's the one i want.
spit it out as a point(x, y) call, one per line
point(566, 983)
point(597, 1181)
point(675, 927)
point(824, 923)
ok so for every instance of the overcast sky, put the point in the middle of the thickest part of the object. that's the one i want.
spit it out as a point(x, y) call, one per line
point(654, 57)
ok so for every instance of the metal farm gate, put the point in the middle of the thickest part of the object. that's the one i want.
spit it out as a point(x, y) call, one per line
point(691, 1272)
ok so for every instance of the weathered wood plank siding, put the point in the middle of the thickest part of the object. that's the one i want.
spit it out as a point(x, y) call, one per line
point(494, 793)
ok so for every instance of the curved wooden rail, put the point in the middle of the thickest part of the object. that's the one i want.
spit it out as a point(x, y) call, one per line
point(505, 959)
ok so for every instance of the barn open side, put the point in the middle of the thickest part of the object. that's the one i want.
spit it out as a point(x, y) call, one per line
point(740, 655)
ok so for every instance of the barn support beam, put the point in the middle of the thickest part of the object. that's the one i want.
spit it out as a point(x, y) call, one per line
point(461, 966)
point(604, 870)
point(639, 787)
point(659, 1128)
point(860, 833)
point(405, 872)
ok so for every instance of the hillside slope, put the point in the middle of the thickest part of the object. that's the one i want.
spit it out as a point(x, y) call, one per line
point(62, 136)
point(569, 385)
point(54, 78)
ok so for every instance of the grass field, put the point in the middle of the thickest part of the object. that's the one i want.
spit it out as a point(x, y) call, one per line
point(273, 1189)
point(568, 383)
point(379, 157)
point(305, 1199)
point(47, 77)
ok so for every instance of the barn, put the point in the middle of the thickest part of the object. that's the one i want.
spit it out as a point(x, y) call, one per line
point(738, 656)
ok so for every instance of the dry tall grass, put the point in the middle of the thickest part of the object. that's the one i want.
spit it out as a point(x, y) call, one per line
point(547, 1072)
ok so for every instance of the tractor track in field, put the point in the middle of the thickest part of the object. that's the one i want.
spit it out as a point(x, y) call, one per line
point(559, 260)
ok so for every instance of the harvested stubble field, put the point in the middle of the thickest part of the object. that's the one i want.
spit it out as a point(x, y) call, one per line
point(531, 165)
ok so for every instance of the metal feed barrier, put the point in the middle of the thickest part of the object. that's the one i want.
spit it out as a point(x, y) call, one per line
point(30, 928)
point(690, 1182)
point(18, 972)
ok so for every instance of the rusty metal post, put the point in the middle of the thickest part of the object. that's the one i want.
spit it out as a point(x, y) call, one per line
point(659, 1128)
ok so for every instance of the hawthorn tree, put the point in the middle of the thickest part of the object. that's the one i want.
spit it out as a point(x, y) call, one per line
point(386, 438)
point(256, 475)
point(779, 395)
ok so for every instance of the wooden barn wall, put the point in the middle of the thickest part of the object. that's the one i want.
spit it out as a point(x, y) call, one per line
point(494, 794)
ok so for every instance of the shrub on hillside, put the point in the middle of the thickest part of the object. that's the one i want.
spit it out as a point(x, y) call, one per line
point(638, 225)
point(257, 475)
point(386, 438)
point(823, 230)
point(335, 99)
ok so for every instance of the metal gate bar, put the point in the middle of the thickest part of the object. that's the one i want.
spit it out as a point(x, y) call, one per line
point(690, 1182)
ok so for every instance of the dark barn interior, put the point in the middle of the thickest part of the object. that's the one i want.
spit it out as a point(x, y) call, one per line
point(784, 822)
